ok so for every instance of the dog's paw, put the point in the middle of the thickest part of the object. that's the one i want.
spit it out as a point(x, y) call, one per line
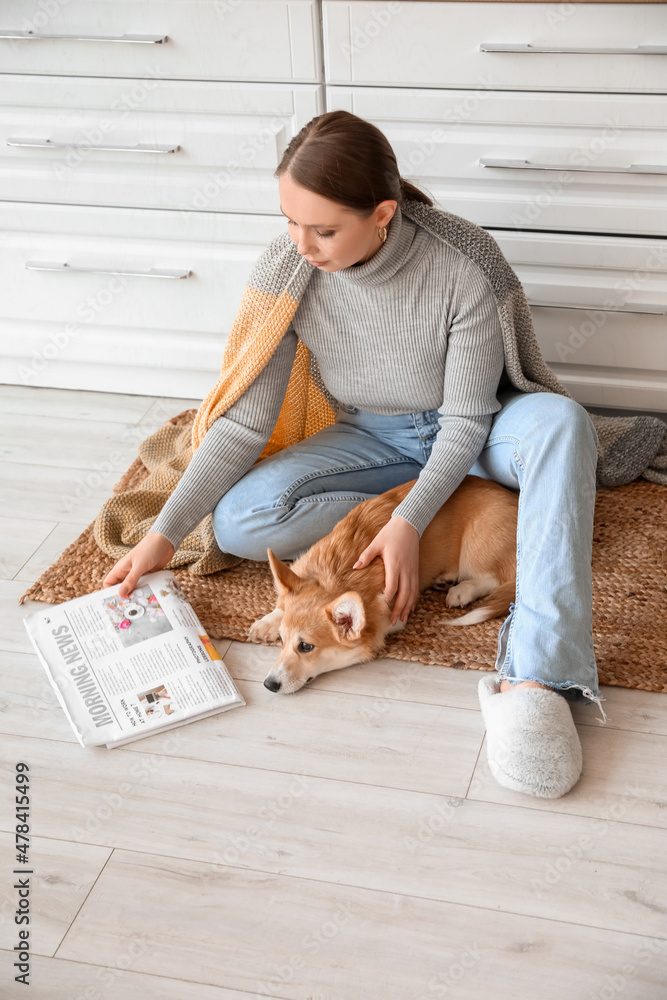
point(459, 596)
point(266, 629)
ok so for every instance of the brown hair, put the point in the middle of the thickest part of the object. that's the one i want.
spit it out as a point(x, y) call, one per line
point(348, 160)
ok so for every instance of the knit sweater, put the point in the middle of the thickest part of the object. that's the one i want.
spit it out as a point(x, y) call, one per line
point(414, 328)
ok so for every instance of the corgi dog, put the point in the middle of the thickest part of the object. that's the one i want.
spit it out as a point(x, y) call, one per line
point(328, 615)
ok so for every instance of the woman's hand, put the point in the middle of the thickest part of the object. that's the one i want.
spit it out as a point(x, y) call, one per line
point(153, 552)
point(398, 545)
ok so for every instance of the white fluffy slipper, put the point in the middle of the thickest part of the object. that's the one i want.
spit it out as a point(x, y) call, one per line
point(531, 739)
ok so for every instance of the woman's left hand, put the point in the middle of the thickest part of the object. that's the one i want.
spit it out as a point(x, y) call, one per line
point(398, 545)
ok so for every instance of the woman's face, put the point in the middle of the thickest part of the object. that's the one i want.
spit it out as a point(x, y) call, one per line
point(325, 231)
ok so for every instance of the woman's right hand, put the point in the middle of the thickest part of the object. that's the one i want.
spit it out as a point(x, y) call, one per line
point(153, 552)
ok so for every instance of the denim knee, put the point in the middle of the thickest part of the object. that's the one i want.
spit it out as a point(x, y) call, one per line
point(559, 415)
point(234, 531)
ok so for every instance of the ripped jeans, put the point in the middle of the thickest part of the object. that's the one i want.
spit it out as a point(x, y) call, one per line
point(541, 445)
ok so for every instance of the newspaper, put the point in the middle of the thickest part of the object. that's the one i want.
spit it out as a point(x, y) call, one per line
point(127, 667)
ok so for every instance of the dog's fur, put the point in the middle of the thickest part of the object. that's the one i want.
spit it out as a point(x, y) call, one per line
point(341, 612)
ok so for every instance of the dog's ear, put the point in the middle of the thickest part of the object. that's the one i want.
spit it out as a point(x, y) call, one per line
point(283, 577)
point(347, 615)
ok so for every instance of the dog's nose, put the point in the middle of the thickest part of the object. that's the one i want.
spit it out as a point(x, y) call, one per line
point(272, 684)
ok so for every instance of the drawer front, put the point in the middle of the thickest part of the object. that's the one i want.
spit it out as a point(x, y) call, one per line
point(594, 162)
point(164, 39)
point(443, 45)
point(175, 145)
point(94, 298)
point(599, 307)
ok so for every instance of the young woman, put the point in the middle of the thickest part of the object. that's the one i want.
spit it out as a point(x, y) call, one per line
point(407, 336)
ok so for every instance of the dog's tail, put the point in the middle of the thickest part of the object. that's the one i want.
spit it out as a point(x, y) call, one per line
point(497, 603)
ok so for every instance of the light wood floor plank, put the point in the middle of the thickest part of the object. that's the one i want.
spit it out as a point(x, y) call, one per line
point(62, 876)
point(573, 869)
point(28, 704)
point(20, 538)
point(58, 979)
point(253, 931)
point(77, 403)
point(62, 535)
point(13, 636)
point(165, 407)
point(626, 708)
point(326, 734)
point(91, 445)
point(624, 778)
point(52, 493)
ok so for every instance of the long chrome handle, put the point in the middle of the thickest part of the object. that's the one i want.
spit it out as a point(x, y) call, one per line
point(152, 272)
point(138, 147)
point(638, 50)
point(150, 39)
point(632, 308)
point(634, 168)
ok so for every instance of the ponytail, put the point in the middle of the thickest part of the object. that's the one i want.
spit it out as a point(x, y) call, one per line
point(408, 190)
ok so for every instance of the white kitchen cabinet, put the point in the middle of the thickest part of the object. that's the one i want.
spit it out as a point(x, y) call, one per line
point(560, 155)
point(570, 162)
point(599, 307)
point(136, 144)
point(268, 40)
point(615, 48)
point(123, 300)
point(187, 145)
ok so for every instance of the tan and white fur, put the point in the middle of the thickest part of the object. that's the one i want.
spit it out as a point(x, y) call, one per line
point(328, 615)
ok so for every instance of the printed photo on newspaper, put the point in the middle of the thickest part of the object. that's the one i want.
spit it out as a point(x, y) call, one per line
point(127, 667)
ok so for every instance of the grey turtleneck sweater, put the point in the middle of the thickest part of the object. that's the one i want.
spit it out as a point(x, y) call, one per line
point(414, 328)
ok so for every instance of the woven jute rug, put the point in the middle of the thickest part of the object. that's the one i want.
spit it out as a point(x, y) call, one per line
point(629, 592)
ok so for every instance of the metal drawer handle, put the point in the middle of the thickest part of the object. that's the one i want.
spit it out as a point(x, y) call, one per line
point(151, 39)
point(638, 50)
point(139, 147)
point(654, 310)
point(151, 272)
point(634, 168)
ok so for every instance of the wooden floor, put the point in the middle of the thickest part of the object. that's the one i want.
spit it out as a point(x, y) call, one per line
point(343, 843)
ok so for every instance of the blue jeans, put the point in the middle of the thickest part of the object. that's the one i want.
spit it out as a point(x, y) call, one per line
point(541, 445)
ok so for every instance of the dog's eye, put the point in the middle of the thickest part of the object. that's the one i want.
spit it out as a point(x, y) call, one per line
point(305, 647)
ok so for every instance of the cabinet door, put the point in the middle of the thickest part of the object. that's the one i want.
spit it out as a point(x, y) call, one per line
point(599, 47)
point(164, 39)
point(592, 162)
point(599, 307)
point(122, 300)
point(164, 144)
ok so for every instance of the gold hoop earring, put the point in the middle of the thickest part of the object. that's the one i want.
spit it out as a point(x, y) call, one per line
point(382, 233)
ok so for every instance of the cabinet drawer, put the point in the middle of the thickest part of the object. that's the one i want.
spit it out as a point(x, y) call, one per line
point(226, 139)
point(164, 39)
point(443, 45)
point(595, 162)
point(86, 326)
point(599, 307)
